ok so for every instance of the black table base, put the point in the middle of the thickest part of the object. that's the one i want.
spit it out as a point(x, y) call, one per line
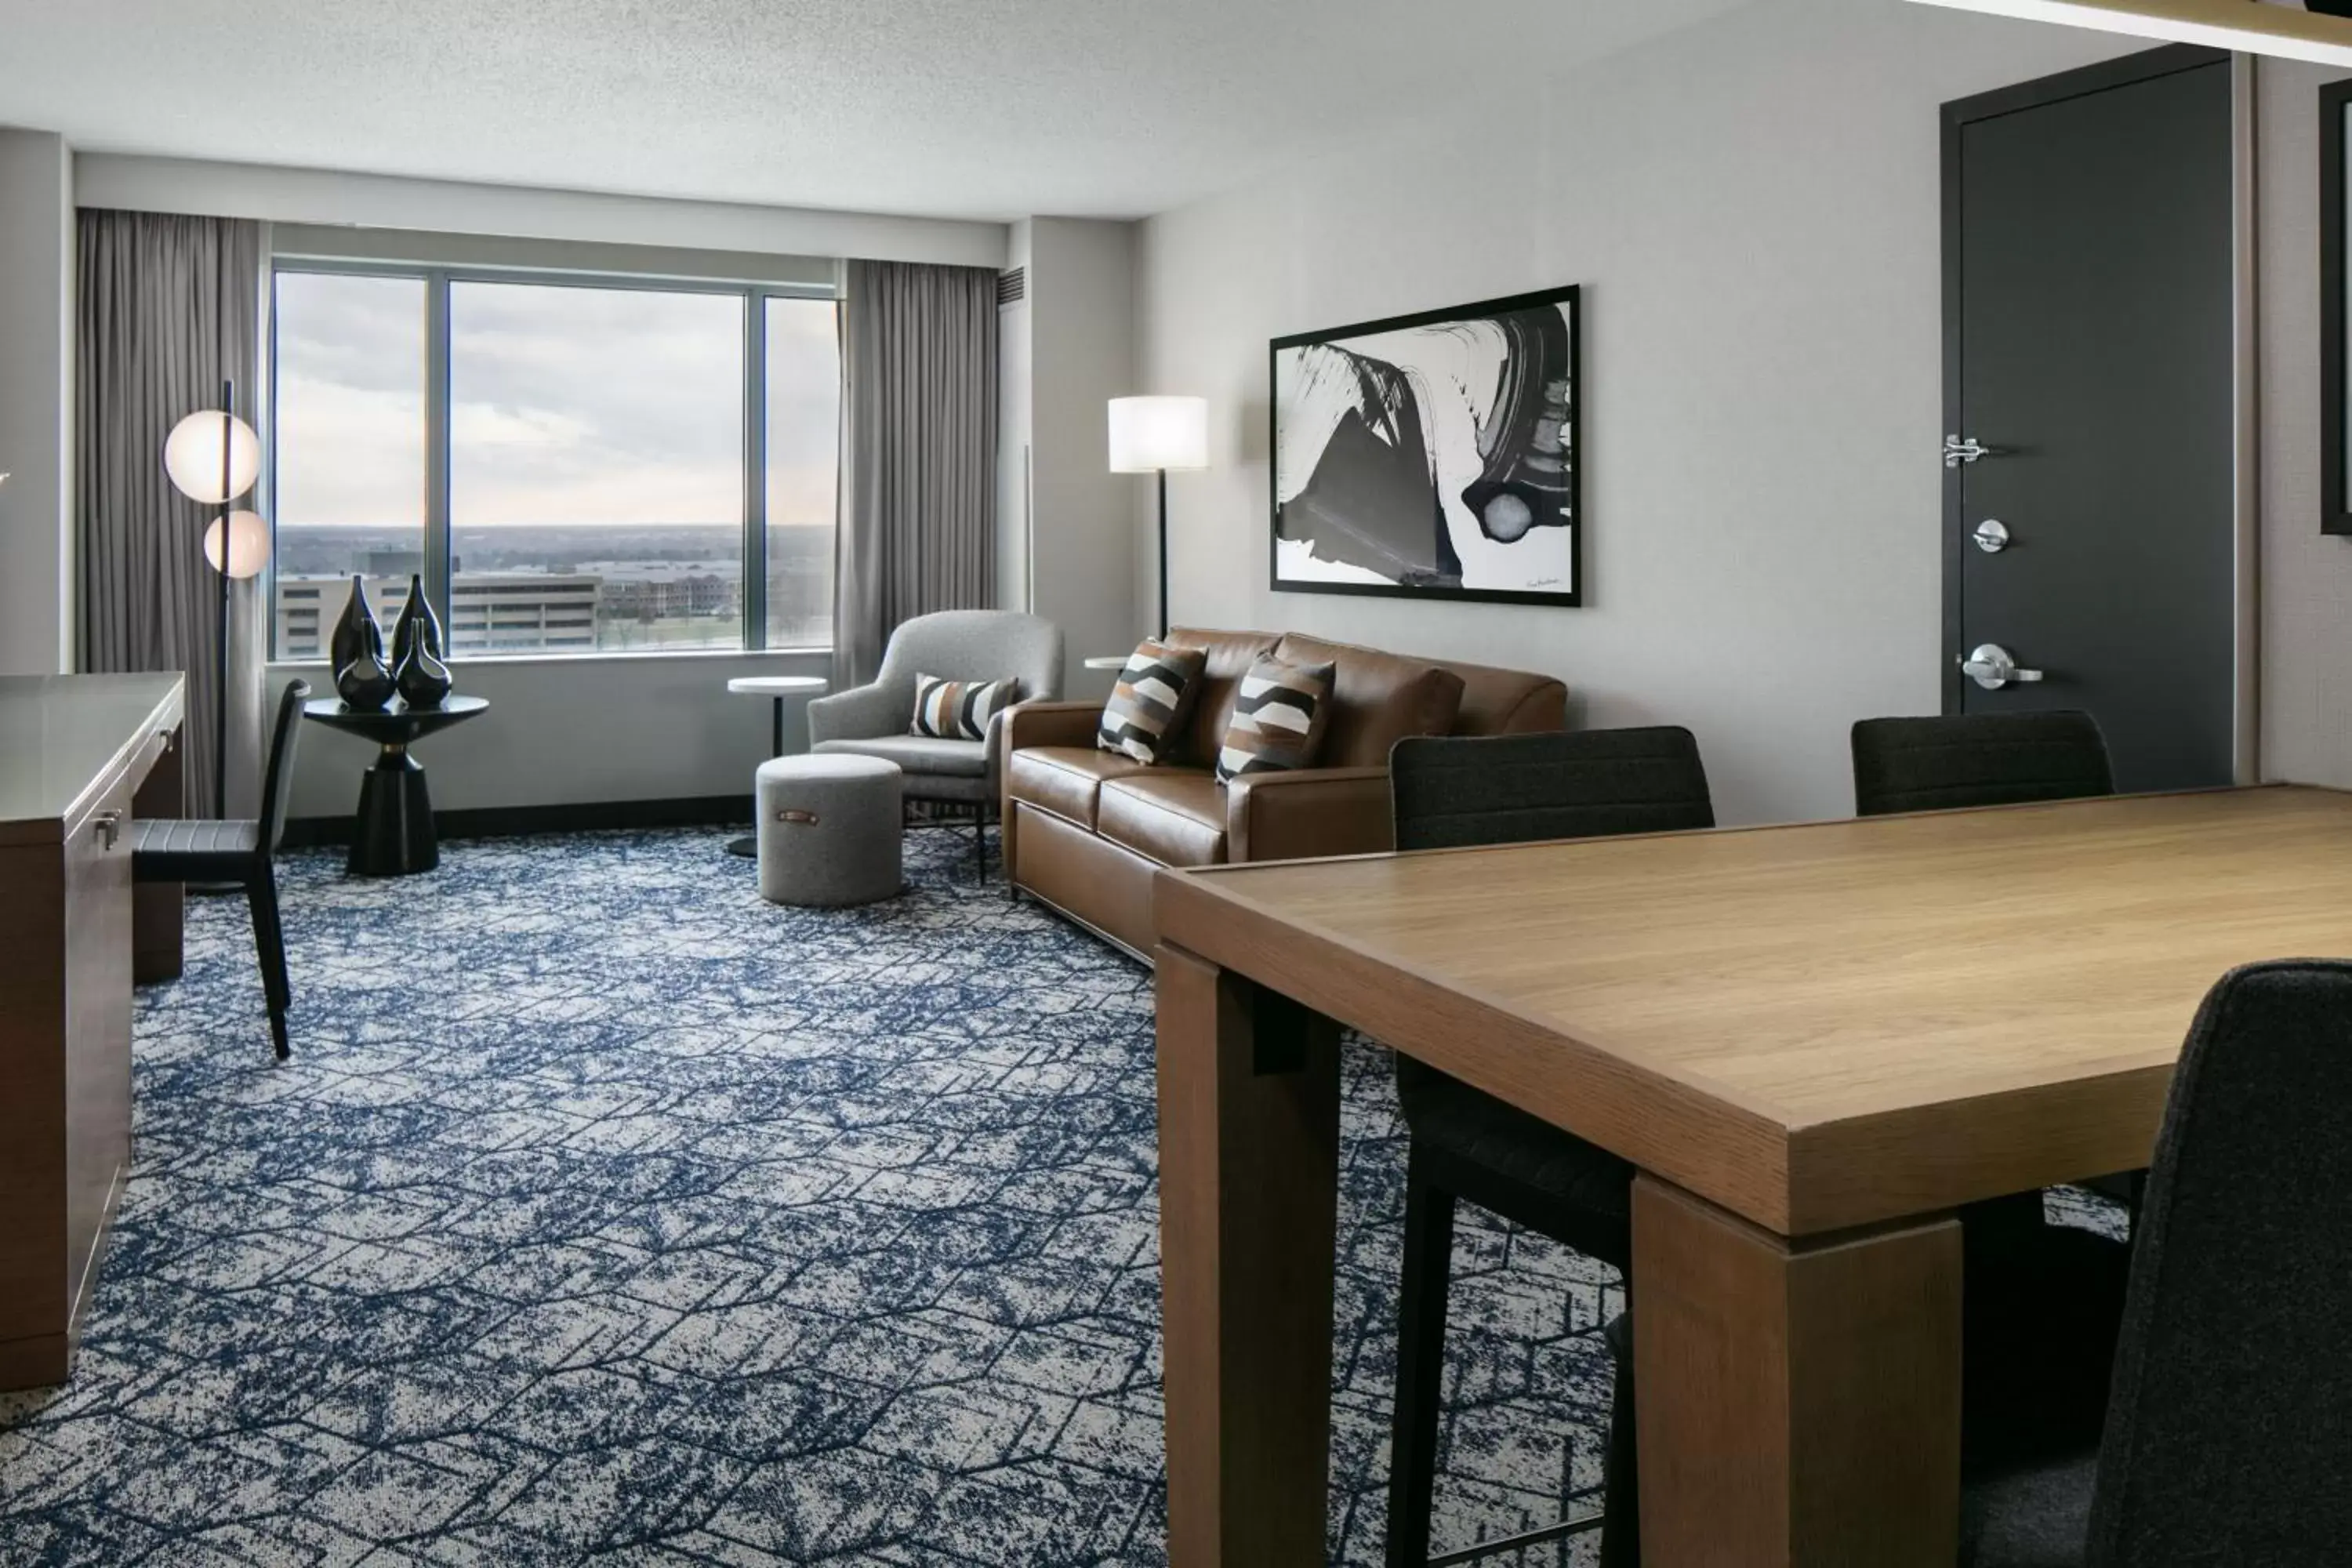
point(393, 833)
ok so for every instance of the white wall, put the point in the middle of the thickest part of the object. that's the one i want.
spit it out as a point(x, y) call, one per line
point(2307, 577)
point(1752, 208)
point(36, 392)
point(448, 207)
point(1082, 314)
point(581, 731)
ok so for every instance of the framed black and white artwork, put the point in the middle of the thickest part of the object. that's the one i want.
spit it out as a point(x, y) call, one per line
point(1433, 456)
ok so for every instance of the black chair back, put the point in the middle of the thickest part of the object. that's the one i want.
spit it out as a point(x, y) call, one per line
point(1452, 791)
point(277, 785)
point(1977, 759)
point(2229, 1426)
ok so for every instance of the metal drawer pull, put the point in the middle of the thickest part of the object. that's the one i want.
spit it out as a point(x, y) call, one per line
point(801, 818)
point(107, 825)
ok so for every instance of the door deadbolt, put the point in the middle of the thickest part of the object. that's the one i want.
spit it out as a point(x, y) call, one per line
point(1991, 536)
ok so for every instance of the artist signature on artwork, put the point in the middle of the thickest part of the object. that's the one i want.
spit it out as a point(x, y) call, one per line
point(1545, 582)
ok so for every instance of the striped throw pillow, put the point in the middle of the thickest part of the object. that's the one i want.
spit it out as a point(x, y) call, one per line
point(958, 710)
point(1147, 707)
point(1279, 714)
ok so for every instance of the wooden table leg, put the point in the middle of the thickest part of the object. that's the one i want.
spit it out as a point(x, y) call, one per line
point(157, 908)
point(1249, 1158)
point(1798, 1403)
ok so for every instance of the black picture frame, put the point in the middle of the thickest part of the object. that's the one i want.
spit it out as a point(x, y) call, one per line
point(2336, 448)
point(1570, 296)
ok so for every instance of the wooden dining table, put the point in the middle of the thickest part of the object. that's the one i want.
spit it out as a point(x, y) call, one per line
point(1814, 1043)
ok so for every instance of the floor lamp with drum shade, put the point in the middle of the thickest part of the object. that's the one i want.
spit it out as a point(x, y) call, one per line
point(1155, 435)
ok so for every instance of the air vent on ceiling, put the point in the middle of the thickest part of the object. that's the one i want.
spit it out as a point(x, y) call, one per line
point(1013, 286)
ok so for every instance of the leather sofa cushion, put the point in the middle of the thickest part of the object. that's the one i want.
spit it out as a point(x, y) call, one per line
point(1065, 779)
point(1175, 816)
point(1230, 656)
point(1377, 700)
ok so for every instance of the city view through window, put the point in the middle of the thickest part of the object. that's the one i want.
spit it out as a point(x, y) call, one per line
point(595, 449)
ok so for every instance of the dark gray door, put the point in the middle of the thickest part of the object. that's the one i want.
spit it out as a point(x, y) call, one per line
point(2088, 347)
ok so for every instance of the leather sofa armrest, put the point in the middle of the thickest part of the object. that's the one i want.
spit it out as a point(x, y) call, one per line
point(1051, 724)
point(1308, 813)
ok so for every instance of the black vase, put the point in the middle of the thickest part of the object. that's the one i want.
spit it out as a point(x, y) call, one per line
point(416, 666)
point(423, 679)
point(362, 676)
point(416, 620)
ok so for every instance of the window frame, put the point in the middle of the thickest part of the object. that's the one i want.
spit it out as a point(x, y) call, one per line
point(437, 279)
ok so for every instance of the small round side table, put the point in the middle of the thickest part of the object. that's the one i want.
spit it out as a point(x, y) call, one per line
point(391, 833)
point(778, 687)
point(1109, 661)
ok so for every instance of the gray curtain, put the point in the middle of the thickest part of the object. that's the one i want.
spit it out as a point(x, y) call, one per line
point(918, 453)
point(169, 308)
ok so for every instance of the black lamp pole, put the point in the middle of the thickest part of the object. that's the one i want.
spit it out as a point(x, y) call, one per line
point(1163, 552)
point(220, 643)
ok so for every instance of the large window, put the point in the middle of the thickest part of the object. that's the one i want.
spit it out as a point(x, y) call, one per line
point(351, 465)
point(571, 465)
point(804, 345)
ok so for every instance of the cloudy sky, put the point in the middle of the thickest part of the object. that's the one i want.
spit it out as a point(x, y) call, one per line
point(567, 405)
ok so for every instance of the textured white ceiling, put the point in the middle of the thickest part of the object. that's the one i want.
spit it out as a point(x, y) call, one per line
point(991, 108)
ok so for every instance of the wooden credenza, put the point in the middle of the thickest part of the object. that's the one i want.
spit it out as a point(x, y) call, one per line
point(80, 757)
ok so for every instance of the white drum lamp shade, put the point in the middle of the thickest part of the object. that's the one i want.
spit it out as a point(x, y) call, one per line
point(1155, 434)
point(248, 544)
point(192, 455)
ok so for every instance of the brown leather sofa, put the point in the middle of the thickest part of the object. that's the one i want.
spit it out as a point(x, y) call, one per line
point(1086, 830)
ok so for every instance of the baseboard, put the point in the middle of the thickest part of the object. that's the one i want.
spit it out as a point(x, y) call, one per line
point(582, 816)
point(599, 815)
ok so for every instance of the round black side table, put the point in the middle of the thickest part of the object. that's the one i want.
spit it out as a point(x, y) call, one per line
point(392, 836)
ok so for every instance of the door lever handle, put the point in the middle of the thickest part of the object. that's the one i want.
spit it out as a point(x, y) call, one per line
point(1992, 668)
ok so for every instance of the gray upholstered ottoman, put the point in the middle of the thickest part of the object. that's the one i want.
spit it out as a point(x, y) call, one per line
point(830, 831)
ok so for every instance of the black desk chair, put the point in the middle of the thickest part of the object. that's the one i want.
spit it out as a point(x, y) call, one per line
point(166, 850)
point(1977, 759)
point(2228, 1440)
point(1466, 1144)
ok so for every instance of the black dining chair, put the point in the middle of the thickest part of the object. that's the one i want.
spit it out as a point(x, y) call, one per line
point(1466, 1145)
point(2228, 1435)
point(1957, 760)
point(165, 849)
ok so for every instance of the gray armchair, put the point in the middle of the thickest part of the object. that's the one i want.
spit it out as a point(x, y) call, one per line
point(953, 645)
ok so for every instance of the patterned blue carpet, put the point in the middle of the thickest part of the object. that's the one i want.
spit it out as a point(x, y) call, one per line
point(607, 1213)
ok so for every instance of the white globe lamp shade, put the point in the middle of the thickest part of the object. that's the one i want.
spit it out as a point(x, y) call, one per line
point(248, 544)
point(192, 455)
point(1150, 434)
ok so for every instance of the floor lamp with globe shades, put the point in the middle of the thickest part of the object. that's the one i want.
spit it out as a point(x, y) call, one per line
point(213, 457)
point(1153, 436)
